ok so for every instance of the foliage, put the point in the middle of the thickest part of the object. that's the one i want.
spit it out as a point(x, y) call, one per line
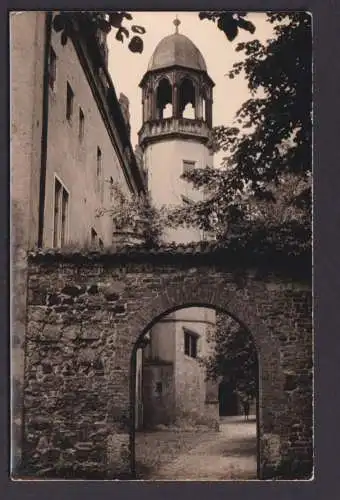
point(226, 213)
point(233, 357)
point(229, 22)
point(136, 213)
point(280, 120)
point(103, 21)
point(270, 149)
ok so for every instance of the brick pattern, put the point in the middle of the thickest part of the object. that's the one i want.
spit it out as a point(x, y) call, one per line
point(84, 321)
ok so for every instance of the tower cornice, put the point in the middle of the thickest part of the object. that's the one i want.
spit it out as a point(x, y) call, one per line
point(166, 128)
point(175, 67)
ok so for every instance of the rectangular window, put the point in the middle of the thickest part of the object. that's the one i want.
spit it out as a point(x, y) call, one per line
point(81, 124)
point(93, 236)
point(57, 191)
point(101, 244)
point(111, 188)
point(188, 166)
point(61, 203)
point(190, 343)
point(64, 212)
point(99, 162)
point(100, 187)
point(69, 101)
point(52, 68)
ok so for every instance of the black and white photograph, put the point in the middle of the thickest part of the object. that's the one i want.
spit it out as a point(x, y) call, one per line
point(161, 246)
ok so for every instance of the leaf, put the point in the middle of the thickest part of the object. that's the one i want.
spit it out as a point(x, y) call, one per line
point(206, 15)
point(124, 31)
point(136, 44)
point(58, 23)
point(138, 29)
point(115, 19)
point(228, 25)
point(127, 15)
point(246, 25)
point(64, 38)
point(119, 36)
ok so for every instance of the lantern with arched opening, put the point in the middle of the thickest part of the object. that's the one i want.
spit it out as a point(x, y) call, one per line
point(176, 86)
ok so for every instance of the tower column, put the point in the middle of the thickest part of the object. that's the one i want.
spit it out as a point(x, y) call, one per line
point(145, 106)
point(198, 106)
point(175, 103)
point(197, 103)
point(148, 105)
point(208, 112)
point(153, 105)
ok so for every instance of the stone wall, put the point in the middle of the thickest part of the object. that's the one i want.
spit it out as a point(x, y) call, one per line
point(85, 314)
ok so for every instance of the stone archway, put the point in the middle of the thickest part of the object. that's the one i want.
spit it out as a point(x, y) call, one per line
point(246, 313)
point(172, 294)
point(85, 314)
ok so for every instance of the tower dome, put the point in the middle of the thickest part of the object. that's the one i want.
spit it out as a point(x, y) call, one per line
point(177, 50)
point(176, 85)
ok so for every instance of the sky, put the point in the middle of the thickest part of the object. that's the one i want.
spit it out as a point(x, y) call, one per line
point(127, 68)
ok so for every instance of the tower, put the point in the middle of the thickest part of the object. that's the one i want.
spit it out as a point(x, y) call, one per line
point(174, 137)
point(177, 120)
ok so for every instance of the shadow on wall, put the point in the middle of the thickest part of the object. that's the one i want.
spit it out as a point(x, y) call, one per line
point(19, 246)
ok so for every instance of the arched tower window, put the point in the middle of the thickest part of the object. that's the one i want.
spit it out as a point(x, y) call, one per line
point(187, 100)
point(164, 100)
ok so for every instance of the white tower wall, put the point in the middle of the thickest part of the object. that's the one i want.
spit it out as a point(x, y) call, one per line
point(164, 161)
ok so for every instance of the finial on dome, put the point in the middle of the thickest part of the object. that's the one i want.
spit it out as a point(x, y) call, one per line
point(177, 22)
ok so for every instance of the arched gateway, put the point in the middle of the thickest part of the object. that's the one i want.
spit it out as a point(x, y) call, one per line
point(86, 313)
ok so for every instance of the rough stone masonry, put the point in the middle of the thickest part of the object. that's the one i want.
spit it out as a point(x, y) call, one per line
point(85, 314)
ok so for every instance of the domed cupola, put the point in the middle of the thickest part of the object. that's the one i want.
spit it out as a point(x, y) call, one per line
point(176, 92)
point(177, 50)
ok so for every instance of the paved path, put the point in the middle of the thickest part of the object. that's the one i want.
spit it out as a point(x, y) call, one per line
point(229, 454)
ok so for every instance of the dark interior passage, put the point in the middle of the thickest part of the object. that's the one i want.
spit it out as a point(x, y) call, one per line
point(228, 400)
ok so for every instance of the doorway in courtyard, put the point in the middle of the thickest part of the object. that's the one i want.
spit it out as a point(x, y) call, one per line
point(194, 398)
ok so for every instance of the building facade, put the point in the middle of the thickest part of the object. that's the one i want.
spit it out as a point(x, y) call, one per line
point(70, 140)
point(174, 137)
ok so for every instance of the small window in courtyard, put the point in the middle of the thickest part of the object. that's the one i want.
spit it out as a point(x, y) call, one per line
point(81, 124)
point(69, 101)
point(52, 68)
point(60, 223)
point(188, 166)
point(64, 216)
point(190, 343)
